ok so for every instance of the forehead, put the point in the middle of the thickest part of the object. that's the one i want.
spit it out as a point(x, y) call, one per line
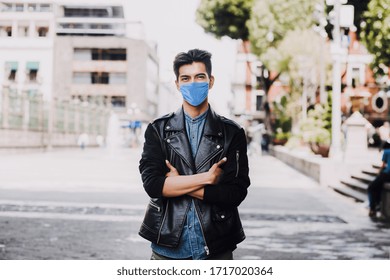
point(192, 69)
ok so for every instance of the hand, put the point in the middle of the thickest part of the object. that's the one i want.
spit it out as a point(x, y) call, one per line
point(172, 170)
point(215, 172)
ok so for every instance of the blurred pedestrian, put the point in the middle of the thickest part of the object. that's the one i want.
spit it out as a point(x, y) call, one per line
point(193, 211)
point(83, 140)
point(376, 186)
point(255, 132)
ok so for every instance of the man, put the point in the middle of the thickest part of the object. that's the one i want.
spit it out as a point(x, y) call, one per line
point(194, 167)
point(375, 188)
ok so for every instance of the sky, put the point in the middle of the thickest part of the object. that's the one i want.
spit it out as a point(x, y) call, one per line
point(171, 24)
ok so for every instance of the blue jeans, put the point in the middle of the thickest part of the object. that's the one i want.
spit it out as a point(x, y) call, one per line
point(228, 255)
point(375, 188)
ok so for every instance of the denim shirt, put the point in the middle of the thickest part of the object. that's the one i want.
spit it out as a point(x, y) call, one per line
point(192, 244)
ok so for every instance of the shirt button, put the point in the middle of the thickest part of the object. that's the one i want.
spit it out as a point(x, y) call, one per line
point(218, 146)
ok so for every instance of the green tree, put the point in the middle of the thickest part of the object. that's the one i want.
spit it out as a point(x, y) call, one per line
point(376, 34)
point(225, 17)
point(272, 19)
point(281, 34)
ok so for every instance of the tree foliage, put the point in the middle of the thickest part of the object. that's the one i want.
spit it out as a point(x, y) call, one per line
point(225, 17)
point(272, 19)
point(376, 34)
point(297, 52)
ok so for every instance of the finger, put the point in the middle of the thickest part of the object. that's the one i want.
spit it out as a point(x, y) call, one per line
point(169, 165)
point(222, 161)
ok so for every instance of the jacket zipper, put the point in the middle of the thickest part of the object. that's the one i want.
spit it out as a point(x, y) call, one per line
point(155, 206)
point(162, 223)
point(237, 160)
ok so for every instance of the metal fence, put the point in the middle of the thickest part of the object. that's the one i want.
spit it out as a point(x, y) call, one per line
point(29, 111)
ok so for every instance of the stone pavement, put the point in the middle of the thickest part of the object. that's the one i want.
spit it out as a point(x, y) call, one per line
point(88, 204)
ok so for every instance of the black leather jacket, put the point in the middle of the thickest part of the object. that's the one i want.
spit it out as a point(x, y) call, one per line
point(166, 138)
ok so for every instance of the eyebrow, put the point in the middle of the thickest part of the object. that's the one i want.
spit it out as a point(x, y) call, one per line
point(196, 75)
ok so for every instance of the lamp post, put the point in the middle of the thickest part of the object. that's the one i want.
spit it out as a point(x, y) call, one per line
point(337, 53)
point(336, 86)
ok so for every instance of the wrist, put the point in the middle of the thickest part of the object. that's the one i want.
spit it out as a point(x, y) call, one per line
point(205, 178)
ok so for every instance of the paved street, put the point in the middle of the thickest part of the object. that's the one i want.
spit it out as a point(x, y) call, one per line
point(89, 204)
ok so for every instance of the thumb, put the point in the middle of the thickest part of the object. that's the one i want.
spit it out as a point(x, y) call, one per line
point(222, 161)
point(169, 165)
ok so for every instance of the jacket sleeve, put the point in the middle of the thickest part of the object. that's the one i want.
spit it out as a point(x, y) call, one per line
point(152, 164)
point(233, 187)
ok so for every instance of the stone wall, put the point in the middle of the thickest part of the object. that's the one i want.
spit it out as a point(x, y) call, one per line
point(18, 139)
point(313, 166)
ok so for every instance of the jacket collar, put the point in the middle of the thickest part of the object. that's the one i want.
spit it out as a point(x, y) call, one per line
point(212, 125)
point(210, 144)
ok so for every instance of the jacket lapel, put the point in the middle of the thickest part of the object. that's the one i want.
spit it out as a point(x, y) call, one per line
point(211, 142)
point(177, 138)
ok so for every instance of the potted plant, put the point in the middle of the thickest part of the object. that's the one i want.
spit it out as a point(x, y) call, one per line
point(316, 130)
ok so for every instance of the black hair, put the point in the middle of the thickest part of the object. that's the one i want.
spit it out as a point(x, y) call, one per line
point(386, 144)
point(190, 57)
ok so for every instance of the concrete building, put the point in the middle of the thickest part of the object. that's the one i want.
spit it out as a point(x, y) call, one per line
point(248, 98)
point(26, 46)
point(82, 50)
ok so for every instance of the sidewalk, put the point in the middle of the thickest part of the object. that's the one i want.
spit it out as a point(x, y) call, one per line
point(89, 205)
point(290, 216)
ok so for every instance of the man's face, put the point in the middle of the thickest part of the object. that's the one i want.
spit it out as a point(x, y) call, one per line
point(193, 73)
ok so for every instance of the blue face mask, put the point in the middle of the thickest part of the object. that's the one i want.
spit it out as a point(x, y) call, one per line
point(195, 93)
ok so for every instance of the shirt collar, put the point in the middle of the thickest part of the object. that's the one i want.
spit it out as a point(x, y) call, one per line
point(199, 118)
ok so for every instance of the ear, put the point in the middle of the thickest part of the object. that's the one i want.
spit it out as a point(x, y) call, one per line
point(211, 83)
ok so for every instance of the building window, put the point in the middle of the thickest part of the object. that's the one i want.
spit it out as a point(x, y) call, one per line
point(86, 12)
point(32, 75)
point(11, 67)
point(108, 54)
point(12, 75)
point(9, 31)
point(259, 102)
point(42, 31)
point(82, 54)
point(118, 101)
point(19, 7)
point(45, 7)
point(32, 70)
point(32, 7)
point(5, 7)
point(117, 78)
point(82, 78)
point(355, 77)
point(100, 78)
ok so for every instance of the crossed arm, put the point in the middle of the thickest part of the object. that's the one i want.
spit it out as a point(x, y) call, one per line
point(193, 185)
